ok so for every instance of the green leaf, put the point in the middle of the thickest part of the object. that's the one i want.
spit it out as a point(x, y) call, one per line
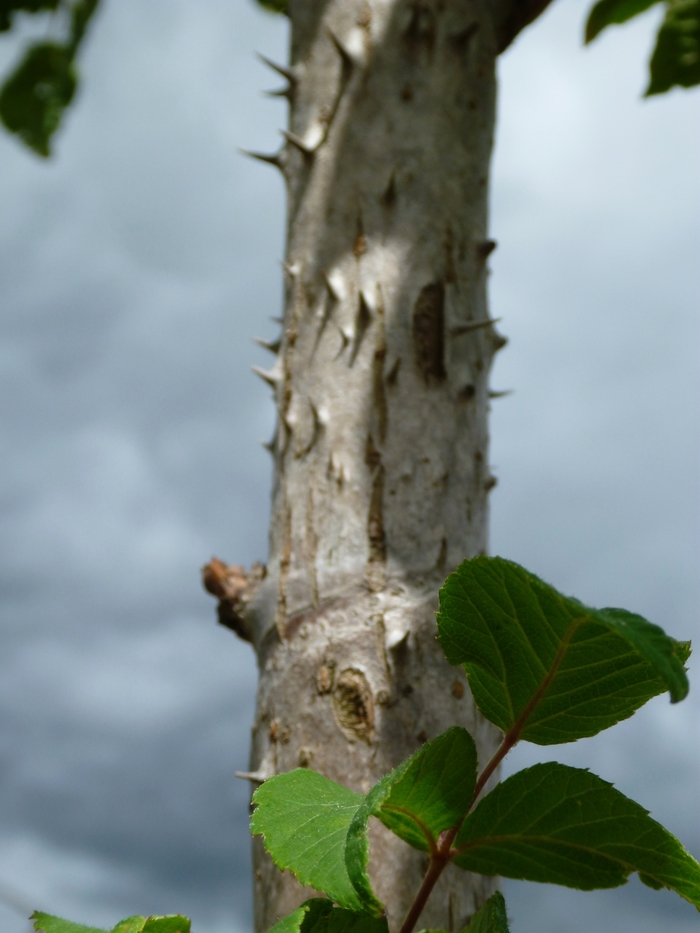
point(561, 825)
point(609, 12)
point(490, 918)
point(304, 818)
point(9, 7)
point(319, 916)
point(544, 667)
point(274, 6)
point(305, 918)
point(428, 793)
point(171, 923)
point(34, 97)
point(676, 58)
point(50, 924)
point(130, 925)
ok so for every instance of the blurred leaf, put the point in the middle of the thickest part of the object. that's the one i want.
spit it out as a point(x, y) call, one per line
point(130, 925)
point(274, 6)
point(9, 7)
point(304, 819)
point(544, 667)
point(34, 97)
point(318, 915)
point(172, 923)
point(81, 14)
point(428, 793)
point(490, 918)
point(561, 825)
point(50, 924)
point(610, 12)
point(676, 58)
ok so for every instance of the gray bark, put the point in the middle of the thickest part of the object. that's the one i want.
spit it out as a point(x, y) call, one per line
point(381, 387)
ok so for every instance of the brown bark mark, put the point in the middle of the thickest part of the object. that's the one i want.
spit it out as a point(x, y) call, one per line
point(311, 546)
point(421, 32)
point(285, 560)
point(429, 332)
point(363, 319)
point(353, 705)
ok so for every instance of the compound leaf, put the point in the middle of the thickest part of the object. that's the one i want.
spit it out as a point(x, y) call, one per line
point(428, 793)
point(544, 667)
point(676, 58)
point(561, 825)
point(609, 12)
point(50, 924)
point(304, 819)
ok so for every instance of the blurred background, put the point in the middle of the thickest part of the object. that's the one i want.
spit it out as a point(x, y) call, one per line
point(135, 267)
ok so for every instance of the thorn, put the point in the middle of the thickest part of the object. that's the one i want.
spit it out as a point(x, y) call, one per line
point(272, 345)
point(501, 394)
point(329, 287)
point(270, 446)
point(486, 247)
point(257, 777)
point(292, 271)
point(344, 341)
point(298, 143)
point(472, 326)
point(277, 320)
point(275, 159)
point(287, 73)
point(269, 376)
point(287, 92)
point(345, 56)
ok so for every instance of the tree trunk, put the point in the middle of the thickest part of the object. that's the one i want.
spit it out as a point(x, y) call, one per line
point(381, 386)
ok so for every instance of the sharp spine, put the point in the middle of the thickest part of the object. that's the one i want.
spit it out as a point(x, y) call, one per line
point(287, 73)
point(298, 143)
point(276, 158)
point(272, 345)
point(472, 326)
point(271, 376)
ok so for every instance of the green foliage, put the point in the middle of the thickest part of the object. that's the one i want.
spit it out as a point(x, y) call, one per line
point(491, 918)
point(173, 923)
point(304, 819)
point(561, 825)
point(9, 7)
point(426, 795)
point(675, 61)
point(544, 667)
point(676, 58)
point(50, 924)
point(318, 915)
point(611, 12)
point(35, 96)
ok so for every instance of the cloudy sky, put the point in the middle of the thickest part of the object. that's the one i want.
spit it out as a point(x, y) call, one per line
point(135, 267)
